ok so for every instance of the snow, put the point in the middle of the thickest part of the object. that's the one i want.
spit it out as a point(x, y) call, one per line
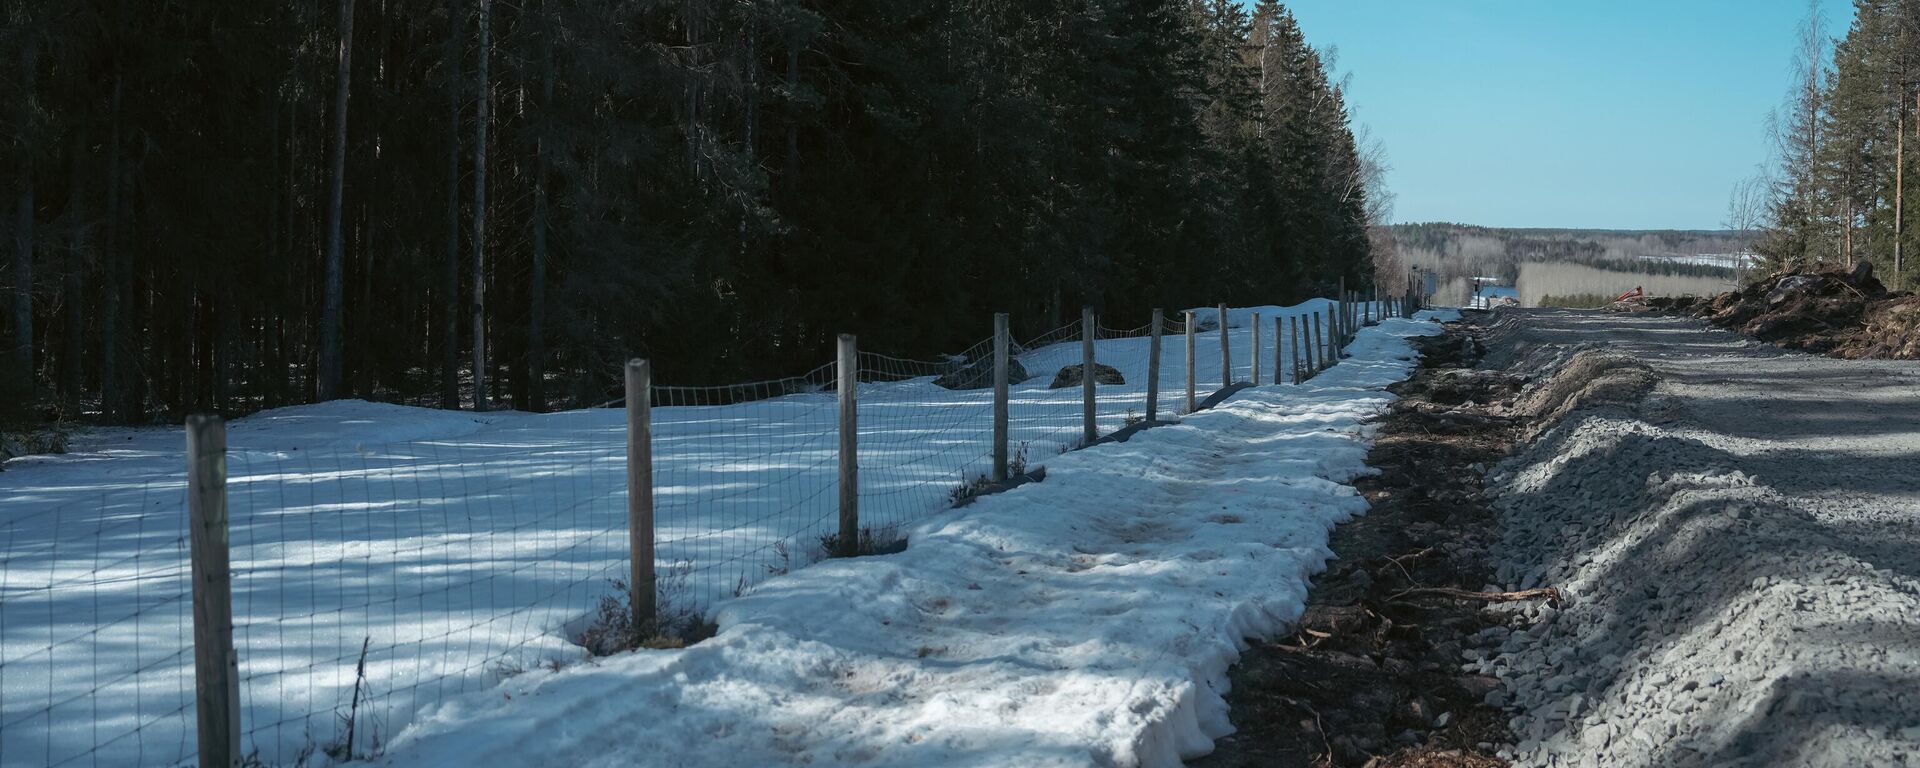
point(1722, 260)
point(1086, 620)
point(462, 548)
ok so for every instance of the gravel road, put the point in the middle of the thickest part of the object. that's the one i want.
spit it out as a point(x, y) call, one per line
point(1740, 547)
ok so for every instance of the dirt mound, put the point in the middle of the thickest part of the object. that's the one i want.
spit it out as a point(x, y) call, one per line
point(1891, 329)
point(1846, 312)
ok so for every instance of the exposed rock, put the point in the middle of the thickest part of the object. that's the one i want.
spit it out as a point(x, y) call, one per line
point(1102, 374)
point(979, 375)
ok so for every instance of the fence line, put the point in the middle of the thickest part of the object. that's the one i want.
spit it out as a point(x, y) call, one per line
point(373, 575)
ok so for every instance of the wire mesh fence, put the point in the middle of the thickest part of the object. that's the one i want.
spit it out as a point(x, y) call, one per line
point(96, 654)
point(387, 559)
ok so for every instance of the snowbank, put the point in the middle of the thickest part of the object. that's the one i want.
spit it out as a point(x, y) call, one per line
point(1086, 620)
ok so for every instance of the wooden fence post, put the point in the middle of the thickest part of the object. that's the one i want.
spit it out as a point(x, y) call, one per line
point(849, 384)
point(1255, 380)
point(216, 668)
point(1337, 321)
point(1306, 352)
point(1343, 303)
point(1279, 351)
point(641, 584)
point(1319, 345)
point(1090, 426)
point(1226, 351)
point(1192, 402)
point(1333, 340)
point(1001, 351)
point(1153, 368)
point(1293, 327)
point(1303, 348)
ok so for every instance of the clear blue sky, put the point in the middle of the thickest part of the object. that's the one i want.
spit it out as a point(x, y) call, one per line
point(1620, 114)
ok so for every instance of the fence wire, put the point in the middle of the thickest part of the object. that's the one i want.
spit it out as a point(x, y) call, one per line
point(96, 642)
point(387, 559)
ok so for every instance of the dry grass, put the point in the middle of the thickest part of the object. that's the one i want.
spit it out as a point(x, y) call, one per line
point(1540, 280)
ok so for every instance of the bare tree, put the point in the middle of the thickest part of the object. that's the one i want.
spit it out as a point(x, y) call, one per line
point(537, 299)
point(330, 318)
point(450, 311)
point(480, 400)
point(23, 225)
point(1746, 213)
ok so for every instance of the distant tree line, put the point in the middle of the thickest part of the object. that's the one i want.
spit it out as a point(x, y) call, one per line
point(1847, 140)
point(238, 205)
point(1464, 251)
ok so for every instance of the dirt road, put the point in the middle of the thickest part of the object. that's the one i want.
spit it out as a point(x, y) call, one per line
point(1733, 532)
point(1740, 547)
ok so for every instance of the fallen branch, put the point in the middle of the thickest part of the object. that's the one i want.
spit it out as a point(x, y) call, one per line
point(1402, 566)
point(1544, 593)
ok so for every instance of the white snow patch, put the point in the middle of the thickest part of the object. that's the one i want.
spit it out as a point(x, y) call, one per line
point(1086, 620)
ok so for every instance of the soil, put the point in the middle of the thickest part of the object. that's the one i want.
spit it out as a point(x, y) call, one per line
point(1835, 311)
point(1372, 677)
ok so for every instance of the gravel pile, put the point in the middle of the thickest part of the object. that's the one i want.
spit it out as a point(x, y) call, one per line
point(1738, 546)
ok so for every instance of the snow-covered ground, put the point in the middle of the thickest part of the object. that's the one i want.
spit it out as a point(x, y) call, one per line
point(1085, 621)
point(449, 550)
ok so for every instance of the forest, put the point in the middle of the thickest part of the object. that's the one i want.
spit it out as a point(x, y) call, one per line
point(1834, 192)
point(462, 203)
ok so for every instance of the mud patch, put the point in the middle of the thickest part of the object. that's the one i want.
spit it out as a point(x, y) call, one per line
point(1372, 676)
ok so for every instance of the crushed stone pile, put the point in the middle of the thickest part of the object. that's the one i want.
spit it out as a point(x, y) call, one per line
point(1713, 611)
point(1836, 311)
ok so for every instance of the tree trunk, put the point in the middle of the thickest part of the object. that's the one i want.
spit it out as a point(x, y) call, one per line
point(365, 321)
point(480, 400)
point(450, 289)
point(793, 87)
point(537, 295)
point(331, 344)
point(140, 313)
point(115, 285)
point(23, 230)
point(74, 345)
